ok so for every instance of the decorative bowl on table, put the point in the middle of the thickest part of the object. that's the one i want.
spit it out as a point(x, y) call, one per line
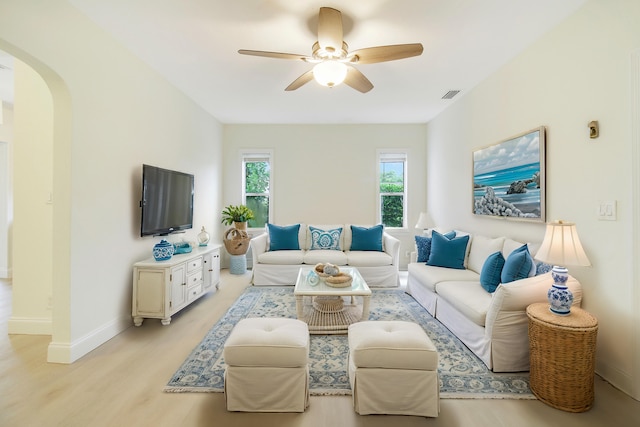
point(326, 270)
point(340, 280)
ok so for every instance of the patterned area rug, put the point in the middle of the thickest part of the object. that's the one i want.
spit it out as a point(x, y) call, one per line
point(462, 374)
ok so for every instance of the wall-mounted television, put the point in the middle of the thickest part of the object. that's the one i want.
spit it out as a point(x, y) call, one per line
point(167, 201)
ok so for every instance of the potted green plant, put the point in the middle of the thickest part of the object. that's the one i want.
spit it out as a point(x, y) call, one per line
point(237, 215)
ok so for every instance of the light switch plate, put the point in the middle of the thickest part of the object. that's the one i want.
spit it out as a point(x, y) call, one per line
point(606, 210)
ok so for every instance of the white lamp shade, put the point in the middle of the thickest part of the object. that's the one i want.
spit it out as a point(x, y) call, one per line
point(561, 245)
point(330, 73)
point(424, 221)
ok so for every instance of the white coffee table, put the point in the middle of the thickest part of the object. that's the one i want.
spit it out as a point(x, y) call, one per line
point(325, 310)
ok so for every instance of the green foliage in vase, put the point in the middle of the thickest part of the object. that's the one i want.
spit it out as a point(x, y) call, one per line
point(239, 213)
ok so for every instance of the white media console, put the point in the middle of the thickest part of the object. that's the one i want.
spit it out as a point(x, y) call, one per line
point(162, 288)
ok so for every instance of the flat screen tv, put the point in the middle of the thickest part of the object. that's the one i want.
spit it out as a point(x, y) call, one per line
point(167, 201)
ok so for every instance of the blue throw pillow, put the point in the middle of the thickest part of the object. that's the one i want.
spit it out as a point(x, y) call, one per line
point(518, 265)
point(448, 253)
point(366, 239)
point(423, 245)
point(325, 239)
point(282, 238)
point(543, 268)
point(491, 273)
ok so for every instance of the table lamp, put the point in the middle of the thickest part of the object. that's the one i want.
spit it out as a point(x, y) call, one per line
point(424, 221)
point(561, 246)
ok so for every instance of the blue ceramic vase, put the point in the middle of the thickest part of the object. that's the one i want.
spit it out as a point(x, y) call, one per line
point(163, 251)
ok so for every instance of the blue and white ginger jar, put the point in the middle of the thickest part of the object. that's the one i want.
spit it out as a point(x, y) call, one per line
point(163, 251)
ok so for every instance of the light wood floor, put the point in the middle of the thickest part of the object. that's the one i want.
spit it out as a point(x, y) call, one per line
point(120, 384)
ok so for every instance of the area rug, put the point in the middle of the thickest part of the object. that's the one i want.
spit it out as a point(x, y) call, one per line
point(462, 374)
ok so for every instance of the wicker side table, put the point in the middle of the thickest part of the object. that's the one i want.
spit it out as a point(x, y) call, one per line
point(562, 357)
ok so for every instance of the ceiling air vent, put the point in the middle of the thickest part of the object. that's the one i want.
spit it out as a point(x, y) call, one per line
point(450, 94)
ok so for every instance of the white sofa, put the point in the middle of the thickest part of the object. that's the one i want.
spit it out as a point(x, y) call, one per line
point(492, 325)
point(280, 267)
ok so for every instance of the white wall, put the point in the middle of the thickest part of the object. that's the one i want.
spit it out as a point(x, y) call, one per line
point(326, 174)
point(577, 73)
point(33, 193)
point(111, 114)
point(6, 188)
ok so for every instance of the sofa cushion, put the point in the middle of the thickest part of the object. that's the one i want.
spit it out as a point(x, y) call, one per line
point(282, 238)
point(511, 245)
point(282, 257)
point(446, 252)
point(469, 298)
point(325, 239)
point(491, 273)
point(481, 248)
point(324, 256)
point(461, 233)
point(366, 239)
point(429, 275)
point(368, 258)
point(518, 265)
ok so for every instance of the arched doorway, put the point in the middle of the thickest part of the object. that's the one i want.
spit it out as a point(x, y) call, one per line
point(57, 248)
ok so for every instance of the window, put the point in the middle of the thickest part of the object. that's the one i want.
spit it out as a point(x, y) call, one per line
point(256, 185)
point(392, 189)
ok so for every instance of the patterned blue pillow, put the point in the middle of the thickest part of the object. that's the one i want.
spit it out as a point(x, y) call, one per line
point(423, 245)
point(518, 265)
point(282, 238)
point(492, 271)
point(325, 239)
point(543, 268)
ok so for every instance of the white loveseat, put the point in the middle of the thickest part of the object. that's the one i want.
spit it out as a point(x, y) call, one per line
point(492, 325)
point(379, 268)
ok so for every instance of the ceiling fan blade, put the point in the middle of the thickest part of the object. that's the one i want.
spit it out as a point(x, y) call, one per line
point(357, 80)
point(330, 29)
point(277, 55)
point(372, 55)
point(300, 81)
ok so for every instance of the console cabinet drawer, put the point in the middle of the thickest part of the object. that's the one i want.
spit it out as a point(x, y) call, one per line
point(194, 278)
point(194, 264)
point(194, 292)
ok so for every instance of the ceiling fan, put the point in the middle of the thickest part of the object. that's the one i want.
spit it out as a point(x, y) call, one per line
point(332, 59)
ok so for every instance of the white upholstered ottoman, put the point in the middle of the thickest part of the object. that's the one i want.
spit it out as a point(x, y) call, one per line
point(393, 369)
point(267, 366)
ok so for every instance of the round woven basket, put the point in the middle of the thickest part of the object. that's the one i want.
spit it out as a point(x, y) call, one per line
point(340, 280)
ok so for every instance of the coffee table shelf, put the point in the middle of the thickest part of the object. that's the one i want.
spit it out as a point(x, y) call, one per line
point(324, 308)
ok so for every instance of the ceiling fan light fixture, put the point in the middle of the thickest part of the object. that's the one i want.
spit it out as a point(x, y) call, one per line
point(330, 73)
point(332, 59)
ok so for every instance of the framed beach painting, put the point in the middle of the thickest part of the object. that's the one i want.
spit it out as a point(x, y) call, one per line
point(509, 178)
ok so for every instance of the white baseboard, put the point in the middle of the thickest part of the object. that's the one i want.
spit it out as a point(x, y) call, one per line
point(620, 380)
point(64, 352)
point(29, 326)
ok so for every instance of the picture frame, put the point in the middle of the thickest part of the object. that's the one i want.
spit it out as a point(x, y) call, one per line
point(509, 178)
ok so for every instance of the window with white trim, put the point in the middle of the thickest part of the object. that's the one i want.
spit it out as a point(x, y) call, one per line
point(256, 186)
point(392, 189)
